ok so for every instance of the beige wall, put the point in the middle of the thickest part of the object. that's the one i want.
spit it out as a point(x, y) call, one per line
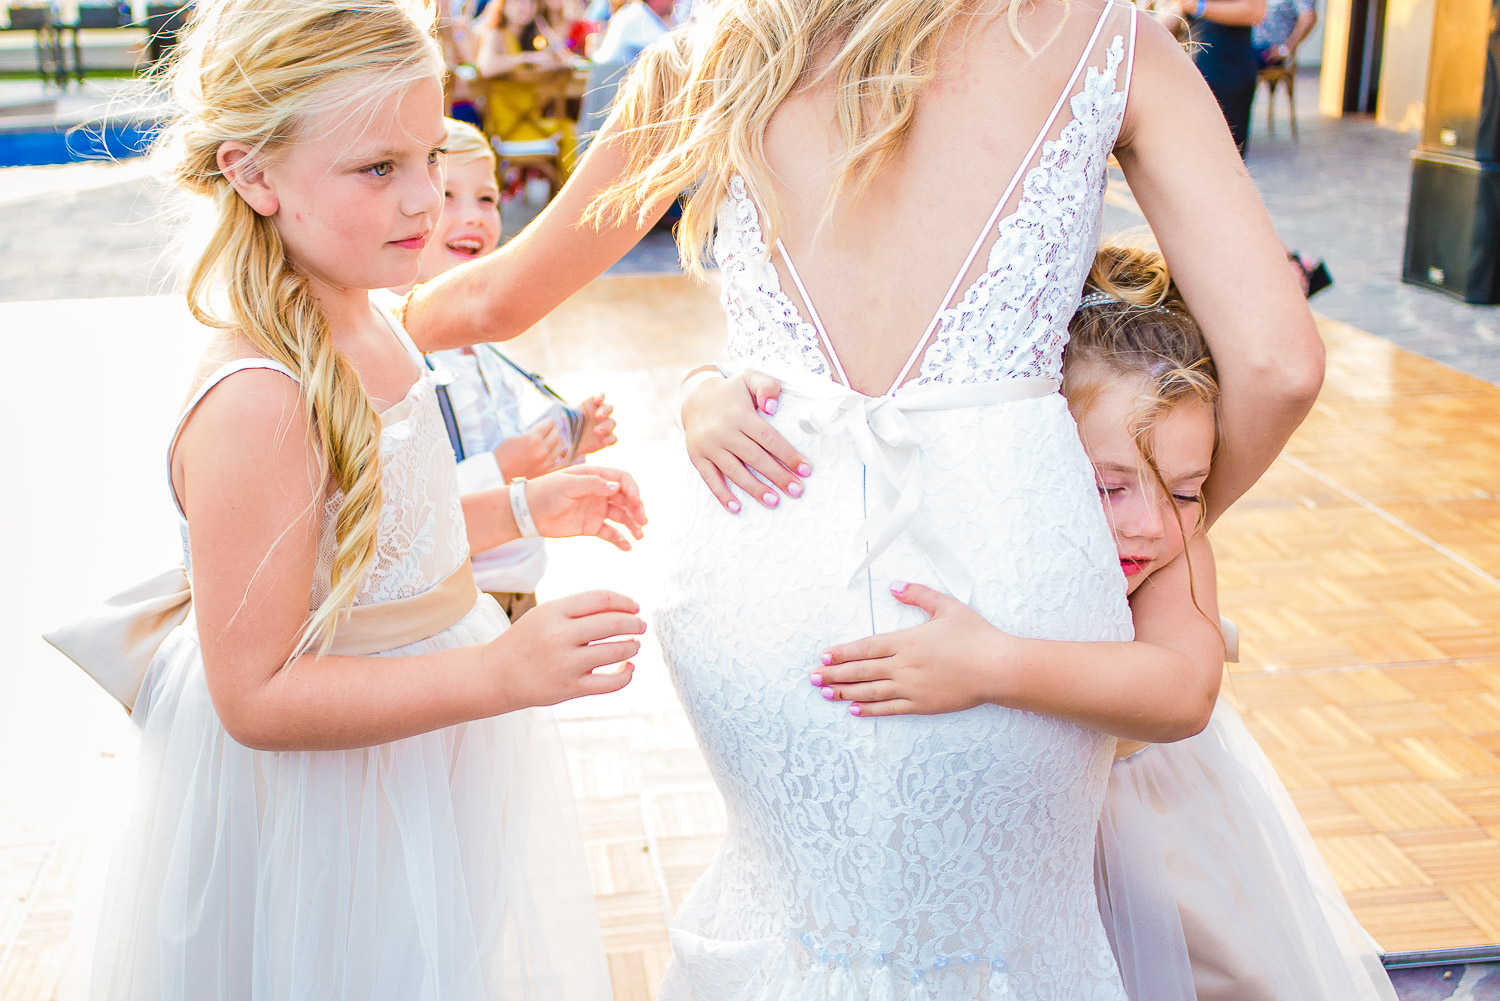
point(1335, 40)
point(1403, 64)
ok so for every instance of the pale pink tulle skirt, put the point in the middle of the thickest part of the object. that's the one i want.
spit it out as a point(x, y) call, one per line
point(442, 867)
point(1211, 887)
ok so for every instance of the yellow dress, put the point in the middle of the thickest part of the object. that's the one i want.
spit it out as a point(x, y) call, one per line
point(516, 108)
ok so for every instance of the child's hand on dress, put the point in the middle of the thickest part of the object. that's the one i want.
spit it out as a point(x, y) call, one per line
point(727, 438)
point(598, 426)
point(585, 500)
point(946, 664)
point(550, 654)
point(531, 453)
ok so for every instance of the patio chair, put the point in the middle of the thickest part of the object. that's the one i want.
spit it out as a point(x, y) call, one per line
point(1279, 75)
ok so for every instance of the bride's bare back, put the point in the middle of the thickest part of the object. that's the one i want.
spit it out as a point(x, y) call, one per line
point(877, 274)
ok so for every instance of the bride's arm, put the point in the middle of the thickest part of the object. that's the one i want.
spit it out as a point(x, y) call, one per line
point(1225, 257)
point(1160, 687)
point(501, 295)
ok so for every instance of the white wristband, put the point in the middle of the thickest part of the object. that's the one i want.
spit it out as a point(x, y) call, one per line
point(521, 511)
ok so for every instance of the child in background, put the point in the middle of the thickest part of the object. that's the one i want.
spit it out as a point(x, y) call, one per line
point(1210, 885)
point(346, 789)
point(486, 392)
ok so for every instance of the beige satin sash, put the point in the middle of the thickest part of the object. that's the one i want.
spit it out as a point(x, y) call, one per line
point(117, 643)
point(1231, 633)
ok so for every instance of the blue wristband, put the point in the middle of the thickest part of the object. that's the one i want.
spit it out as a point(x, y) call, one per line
point(1202, 6)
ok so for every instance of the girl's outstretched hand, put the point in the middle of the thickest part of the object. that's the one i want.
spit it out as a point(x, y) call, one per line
point(598, 425)
point(728, 438)
point(946, 664)
point(551, 653)
point(587, 500)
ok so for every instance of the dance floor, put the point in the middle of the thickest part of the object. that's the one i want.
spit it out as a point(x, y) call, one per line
point(1363, 572)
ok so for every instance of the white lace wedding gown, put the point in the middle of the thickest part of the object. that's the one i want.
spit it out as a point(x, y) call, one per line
point(942, 857)
point(447, 866)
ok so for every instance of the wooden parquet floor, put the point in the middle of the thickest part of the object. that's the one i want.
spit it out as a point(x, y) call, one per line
point(1364, 574)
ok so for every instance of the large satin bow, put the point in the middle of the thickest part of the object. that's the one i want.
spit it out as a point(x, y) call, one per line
point(116, 644)
point(890, 446)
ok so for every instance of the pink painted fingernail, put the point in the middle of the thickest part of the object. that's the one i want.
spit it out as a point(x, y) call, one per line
point(817, 681)
point(829, 693)
point(769, 499)
point(794, 490)
point(897, 586)
point(804, 470)
point(854, 709)
point(734, 507)
point(826, 658)
point(769, 406)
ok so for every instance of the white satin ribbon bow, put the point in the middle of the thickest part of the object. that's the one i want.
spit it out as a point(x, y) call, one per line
point(890, 446)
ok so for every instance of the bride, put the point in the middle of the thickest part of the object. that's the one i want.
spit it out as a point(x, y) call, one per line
point(903, 197)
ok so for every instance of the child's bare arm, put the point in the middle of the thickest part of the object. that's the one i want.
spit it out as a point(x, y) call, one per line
point(251, 490)
point(1161, 687)
point(579, 500)
point(501, 295)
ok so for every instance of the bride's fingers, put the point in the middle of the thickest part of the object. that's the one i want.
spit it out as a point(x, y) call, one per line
point(891, 707)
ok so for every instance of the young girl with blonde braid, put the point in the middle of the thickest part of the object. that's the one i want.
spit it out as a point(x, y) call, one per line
point(346, 790)
point(1209, 883)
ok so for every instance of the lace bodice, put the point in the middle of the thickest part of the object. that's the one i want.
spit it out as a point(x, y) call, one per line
point(421, 537)
point(1012, 319)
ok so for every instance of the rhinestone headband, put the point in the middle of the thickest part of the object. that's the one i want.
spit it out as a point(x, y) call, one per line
point(1104, 298)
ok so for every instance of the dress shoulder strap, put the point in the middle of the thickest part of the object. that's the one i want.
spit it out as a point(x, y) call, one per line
point(217, 376)
point(389, 317)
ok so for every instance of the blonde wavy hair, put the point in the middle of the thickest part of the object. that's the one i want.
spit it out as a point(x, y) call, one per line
point(466, 143)
point(1136, 327)
point(254, 71)
point(694, 110)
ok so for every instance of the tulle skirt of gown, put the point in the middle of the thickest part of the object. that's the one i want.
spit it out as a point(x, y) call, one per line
point(1211, 887)
point(442, 867)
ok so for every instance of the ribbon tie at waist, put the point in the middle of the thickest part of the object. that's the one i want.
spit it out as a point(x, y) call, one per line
point(890, 446)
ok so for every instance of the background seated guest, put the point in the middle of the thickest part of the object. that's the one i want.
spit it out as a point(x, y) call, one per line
point(1286, 24)
point(512, 35)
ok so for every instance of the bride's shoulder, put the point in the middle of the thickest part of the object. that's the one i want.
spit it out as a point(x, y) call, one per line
point(1162, 78)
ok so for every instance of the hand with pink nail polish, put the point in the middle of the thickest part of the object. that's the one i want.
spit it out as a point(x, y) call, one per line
point(730, 440)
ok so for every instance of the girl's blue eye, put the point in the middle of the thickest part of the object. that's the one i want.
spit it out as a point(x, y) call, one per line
point(434, 157)
point(381, 169)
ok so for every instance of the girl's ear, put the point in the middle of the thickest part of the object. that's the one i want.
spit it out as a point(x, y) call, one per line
point(237, 163)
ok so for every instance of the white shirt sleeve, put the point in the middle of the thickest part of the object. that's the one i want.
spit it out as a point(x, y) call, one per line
point(479, 472)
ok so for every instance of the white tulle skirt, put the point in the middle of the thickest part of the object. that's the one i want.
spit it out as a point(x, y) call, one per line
point(1211, 888)
point(442, 867)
